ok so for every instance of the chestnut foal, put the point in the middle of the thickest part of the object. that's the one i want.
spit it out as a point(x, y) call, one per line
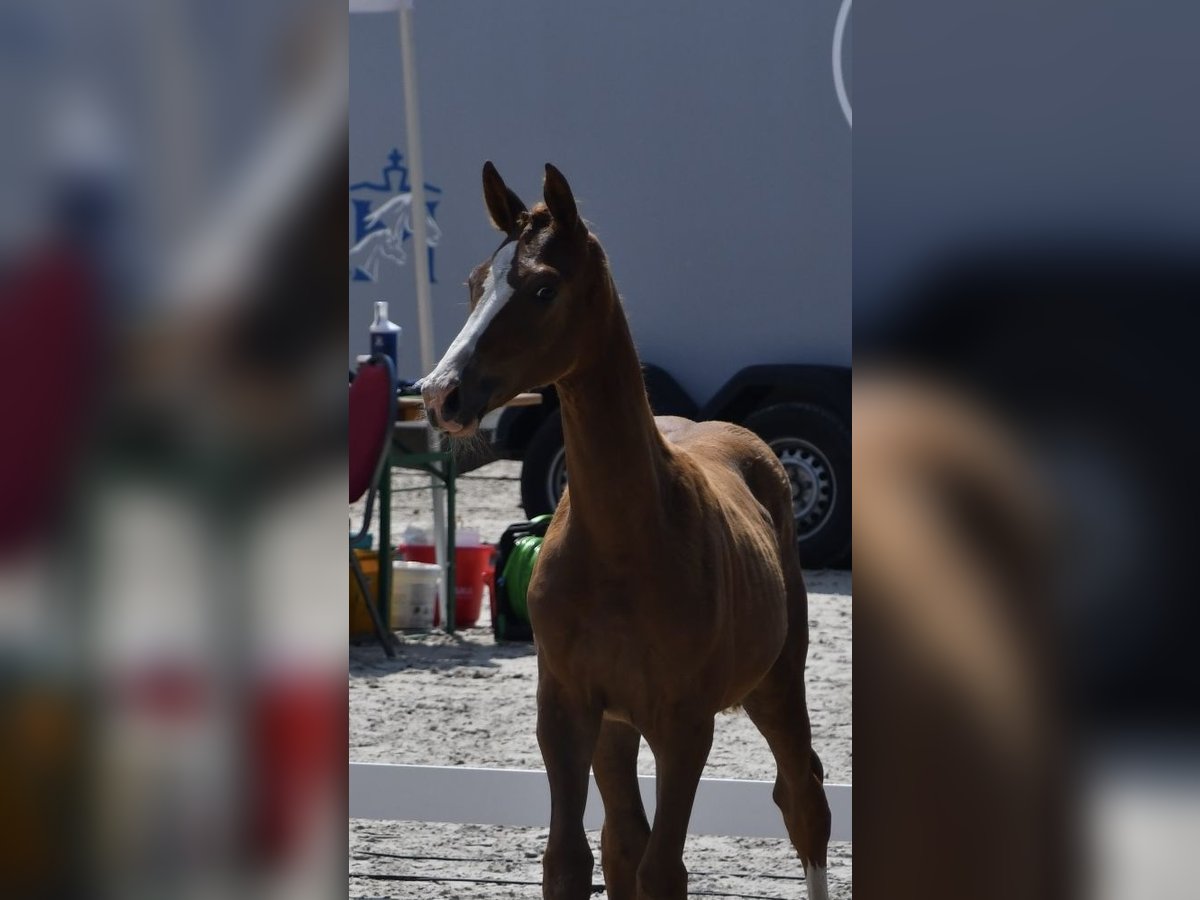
point(668, 587)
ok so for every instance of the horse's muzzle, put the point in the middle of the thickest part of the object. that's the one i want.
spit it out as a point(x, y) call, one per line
point(455, 407)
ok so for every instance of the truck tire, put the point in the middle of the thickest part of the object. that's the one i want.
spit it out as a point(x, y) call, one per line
point(814, 446)
point(544, 470)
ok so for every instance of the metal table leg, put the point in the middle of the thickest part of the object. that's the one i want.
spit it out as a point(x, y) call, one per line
point(385, 544)
point(451, 546)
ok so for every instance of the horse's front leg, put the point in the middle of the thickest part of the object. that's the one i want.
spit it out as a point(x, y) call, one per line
point(567, 728)
point(680, 746)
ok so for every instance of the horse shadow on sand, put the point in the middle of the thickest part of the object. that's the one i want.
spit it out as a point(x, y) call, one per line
point(435, 651)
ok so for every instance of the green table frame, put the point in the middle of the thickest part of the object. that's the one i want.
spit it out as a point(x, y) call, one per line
point(440, 465)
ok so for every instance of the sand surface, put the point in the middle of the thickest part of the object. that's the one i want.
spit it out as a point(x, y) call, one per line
point(464, 700)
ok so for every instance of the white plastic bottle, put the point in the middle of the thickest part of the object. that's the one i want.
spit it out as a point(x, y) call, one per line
point(385, 335)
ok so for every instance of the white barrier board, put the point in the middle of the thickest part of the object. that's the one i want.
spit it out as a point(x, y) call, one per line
point(461, 795)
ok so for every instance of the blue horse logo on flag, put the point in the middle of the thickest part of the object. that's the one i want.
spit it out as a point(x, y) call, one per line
point(382, 215)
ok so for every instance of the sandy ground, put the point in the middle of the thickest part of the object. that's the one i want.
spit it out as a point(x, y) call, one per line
point(465, 700)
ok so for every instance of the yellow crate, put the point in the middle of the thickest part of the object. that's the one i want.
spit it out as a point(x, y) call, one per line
point(360, 618)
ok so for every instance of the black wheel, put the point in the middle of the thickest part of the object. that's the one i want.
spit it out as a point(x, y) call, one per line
point(814, 446)
point(544, 470)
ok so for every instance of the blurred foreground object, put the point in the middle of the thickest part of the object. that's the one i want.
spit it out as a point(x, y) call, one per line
point(951, 609)
point(172, 324)
point(1025, 486)
point(1026, 238)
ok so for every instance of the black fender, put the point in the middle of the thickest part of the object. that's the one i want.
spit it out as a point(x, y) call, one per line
point(518, 424)
point(667, 397)
point(755, 387)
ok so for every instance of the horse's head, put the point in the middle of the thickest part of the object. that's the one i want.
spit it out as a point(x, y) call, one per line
point(534, 307)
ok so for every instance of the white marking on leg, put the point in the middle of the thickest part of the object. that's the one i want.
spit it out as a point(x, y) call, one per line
point(816, 882)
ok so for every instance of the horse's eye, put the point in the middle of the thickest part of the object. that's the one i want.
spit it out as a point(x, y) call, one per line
point(546, 293)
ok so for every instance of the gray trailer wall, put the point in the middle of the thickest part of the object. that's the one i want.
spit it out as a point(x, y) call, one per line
point(705, 143)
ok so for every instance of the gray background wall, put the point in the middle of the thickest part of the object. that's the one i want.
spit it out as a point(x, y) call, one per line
point(704, 141)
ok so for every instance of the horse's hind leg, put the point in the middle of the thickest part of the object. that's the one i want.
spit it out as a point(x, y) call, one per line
point(623, 838)
point(777, 708)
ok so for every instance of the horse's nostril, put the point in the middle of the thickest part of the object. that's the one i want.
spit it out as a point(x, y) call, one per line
point(450, 404)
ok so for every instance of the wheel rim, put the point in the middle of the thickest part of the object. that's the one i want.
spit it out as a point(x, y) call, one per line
point(556, 477)
point(814, 489)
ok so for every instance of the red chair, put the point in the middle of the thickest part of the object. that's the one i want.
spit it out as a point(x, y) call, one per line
point(372, 414)
point(49, 333)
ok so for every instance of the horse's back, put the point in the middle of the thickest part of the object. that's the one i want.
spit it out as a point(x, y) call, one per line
point(723, 449)
point(721, 442)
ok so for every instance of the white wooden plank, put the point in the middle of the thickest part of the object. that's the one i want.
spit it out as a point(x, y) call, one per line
point(458, 794)
point(377, 6)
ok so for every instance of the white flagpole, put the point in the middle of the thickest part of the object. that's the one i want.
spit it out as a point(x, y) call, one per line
point(416, 174)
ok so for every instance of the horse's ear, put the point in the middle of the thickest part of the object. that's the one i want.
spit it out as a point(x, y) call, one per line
point(503, 205)
point(559, 199)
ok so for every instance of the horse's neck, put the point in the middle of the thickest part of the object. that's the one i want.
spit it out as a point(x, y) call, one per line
point(615, 453)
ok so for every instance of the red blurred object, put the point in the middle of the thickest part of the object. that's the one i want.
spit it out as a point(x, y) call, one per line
point(48, 342)
point(167, 691)
point(298, 729)
point(473, 568)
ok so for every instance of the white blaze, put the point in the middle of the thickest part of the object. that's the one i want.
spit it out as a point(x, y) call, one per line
point(496, 293)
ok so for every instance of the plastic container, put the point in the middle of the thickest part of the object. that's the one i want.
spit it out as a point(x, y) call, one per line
point(414, 594)
point(360, 618)
point(385, 335)
point(472, 570)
